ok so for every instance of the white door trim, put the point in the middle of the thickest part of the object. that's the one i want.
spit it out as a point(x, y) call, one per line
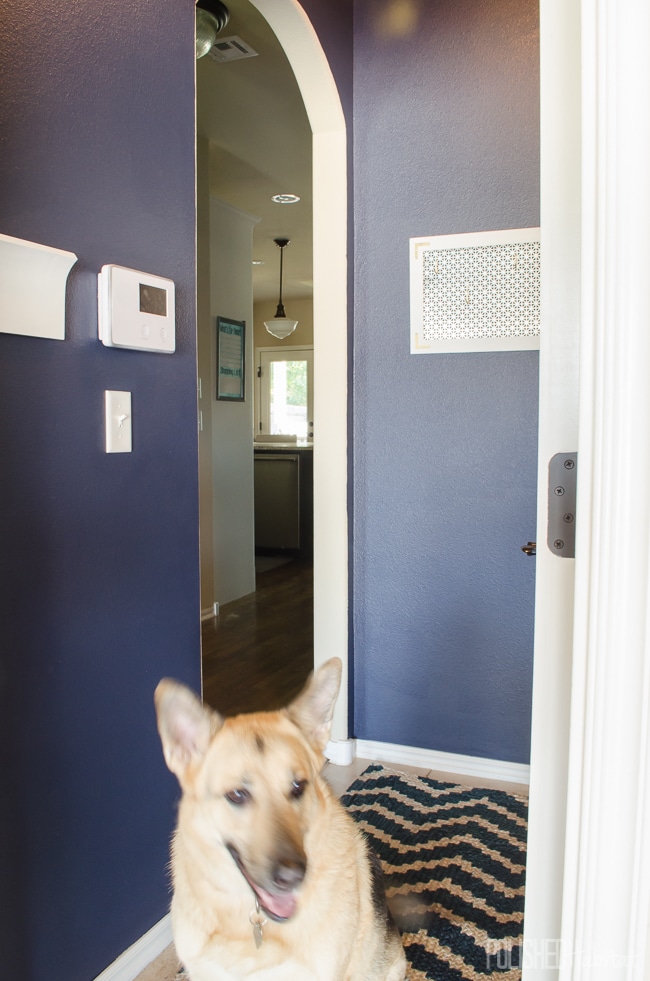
point(588, 881)
point(607, 868)
point(323, 105)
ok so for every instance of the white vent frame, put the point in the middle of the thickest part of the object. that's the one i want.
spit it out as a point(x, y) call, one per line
point(231, 48)
point(471, 266)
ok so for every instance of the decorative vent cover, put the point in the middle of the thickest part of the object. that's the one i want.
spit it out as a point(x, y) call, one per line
point(231, 49)
point(477, 292)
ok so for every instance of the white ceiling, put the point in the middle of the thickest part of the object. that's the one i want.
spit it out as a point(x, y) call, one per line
point(253, 116)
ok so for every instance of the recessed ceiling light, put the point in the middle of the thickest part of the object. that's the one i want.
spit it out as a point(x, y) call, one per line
point(285, 198)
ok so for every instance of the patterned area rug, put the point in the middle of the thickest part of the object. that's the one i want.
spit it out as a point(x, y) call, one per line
point(454, 860)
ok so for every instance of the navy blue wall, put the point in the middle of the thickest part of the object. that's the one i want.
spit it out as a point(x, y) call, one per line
point(446, 141)
point(332, 20)
point(99, 554)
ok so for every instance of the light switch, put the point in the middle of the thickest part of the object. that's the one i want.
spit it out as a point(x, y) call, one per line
point(118, 421)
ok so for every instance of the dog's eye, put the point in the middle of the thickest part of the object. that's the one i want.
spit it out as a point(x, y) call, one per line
point(298, 788)
point(239, 796)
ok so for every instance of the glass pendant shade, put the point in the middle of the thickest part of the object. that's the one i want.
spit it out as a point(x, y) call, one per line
point(211, 17)
point(206, 32)
point(280, 326)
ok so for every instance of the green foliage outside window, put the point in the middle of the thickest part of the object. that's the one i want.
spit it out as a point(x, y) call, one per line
point(296, 375)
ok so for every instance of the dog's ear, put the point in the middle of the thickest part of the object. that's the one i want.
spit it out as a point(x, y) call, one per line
point(313, 709)
point(185, 726)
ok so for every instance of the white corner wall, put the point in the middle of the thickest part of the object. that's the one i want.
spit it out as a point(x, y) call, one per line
point(204, 364)
point(231, 295)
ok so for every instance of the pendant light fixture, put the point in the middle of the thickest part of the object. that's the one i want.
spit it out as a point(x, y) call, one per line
point(280, 326)
point(211, 17)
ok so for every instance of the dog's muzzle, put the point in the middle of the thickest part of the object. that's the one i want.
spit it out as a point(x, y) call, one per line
point(280, 902)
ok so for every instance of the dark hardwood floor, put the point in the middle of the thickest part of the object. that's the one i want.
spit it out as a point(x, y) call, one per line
point(259, 650)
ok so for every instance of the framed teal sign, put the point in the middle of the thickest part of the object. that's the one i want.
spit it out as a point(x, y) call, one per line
point(231, 346)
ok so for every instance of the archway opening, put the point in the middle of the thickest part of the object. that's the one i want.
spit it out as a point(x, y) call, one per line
point(322, 104)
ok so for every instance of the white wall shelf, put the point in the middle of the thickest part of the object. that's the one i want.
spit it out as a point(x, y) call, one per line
point(32, 288)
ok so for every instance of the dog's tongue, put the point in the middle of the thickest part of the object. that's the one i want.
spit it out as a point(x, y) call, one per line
point(283, 905)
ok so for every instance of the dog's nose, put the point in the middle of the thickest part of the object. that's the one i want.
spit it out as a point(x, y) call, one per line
point(289, 873)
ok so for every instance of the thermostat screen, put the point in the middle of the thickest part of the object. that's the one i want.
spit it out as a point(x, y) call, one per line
point(153, 300)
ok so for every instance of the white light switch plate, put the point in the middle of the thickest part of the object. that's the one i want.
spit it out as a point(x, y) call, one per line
point(118, 421)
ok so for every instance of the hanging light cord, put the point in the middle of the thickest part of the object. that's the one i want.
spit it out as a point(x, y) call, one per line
point(280, 311)
point(280, 326)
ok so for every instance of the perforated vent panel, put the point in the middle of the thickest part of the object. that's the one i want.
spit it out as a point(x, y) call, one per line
point(475, 292)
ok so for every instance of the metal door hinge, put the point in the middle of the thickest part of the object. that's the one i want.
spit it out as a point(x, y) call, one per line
point(562, 472)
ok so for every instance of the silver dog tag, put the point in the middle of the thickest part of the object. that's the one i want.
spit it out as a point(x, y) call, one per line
point(257, 920)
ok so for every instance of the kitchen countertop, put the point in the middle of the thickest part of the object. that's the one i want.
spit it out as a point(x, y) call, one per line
point(301, 444)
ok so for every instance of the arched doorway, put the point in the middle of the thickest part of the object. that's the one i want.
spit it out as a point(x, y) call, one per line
point(307, 60)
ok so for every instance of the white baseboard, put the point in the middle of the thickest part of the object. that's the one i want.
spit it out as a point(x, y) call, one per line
point(430, 759)
point(210, 611)
point(145, 950)
point(340, 751)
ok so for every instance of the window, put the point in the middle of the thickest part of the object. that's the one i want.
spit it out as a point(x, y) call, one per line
point(286, 391)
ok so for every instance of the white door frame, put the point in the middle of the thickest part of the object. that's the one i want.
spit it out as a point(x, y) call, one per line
point(296, 34)
point(607, 866)
point(588, 883)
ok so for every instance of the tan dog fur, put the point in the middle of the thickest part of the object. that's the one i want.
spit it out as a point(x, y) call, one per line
point(257, 815)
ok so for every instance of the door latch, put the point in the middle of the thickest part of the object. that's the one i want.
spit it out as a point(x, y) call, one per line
point(562, 482)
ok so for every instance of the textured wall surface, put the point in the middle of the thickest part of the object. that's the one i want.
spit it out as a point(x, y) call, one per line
point(99, 570)
point(446, 141)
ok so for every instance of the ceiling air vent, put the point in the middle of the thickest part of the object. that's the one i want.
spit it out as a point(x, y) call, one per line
point(231, 49)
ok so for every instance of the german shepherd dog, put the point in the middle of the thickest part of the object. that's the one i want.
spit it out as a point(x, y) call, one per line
point(272, 879)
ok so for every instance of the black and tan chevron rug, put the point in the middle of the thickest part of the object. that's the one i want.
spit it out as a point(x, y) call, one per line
point(454, 860)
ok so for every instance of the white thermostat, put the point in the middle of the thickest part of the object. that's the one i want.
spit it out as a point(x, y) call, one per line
point(136, 310)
